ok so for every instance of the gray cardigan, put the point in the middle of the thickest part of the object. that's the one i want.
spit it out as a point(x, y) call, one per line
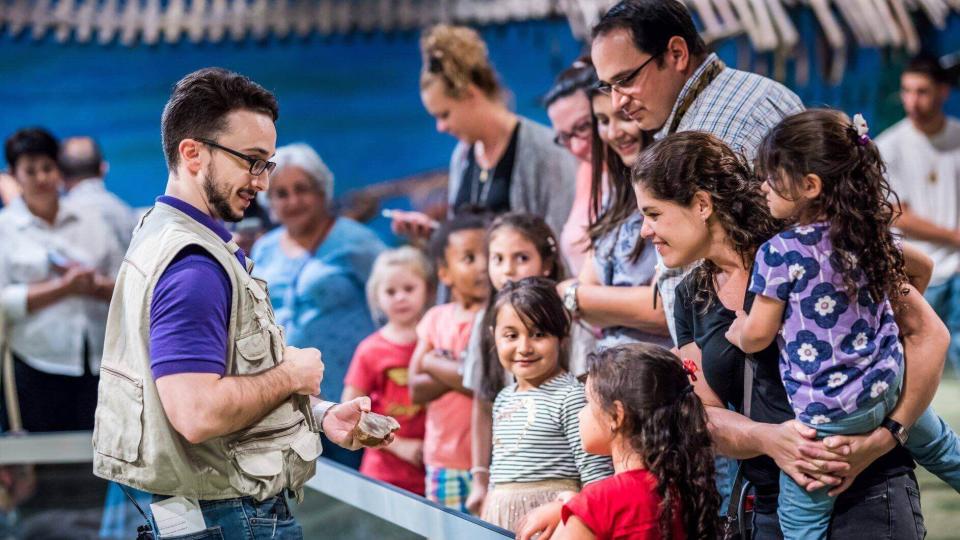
point(543, 178)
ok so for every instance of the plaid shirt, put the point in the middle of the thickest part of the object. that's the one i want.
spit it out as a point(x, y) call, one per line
point(739, 108)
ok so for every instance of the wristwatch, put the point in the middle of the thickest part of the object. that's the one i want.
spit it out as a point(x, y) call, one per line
point(896, 429)
point(570, 298)
point(320, 411)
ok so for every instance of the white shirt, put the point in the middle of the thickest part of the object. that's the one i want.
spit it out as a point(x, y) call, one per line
point(925, 173)
point(91, 196)
point(51, 339)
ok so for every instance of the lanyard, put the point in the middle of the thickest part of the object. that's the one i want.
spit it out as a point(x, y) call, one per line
point(703, 81)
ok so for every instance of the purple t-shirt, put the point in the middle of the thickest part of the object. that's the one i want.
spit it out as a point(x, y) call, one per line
point(190, 310)
point(839, 352)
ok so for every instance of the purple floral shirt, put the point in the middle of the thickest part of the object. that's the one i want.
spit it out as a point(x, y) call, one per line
point(838, 352)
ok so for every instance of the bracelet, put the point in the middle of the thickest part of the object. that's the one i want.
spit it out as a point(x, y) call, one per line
point(476, 470)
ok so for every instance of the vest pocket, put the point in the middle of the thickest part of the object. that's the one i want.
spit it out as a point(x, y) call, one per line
point(118, 425)
point(253, 349)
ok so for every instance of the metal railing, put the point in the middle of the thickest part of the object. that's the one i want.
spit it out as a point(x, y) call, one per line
point(389, 503)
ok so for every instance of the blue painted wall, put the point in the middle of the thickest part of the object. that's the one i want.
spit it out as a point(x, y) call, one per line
point(354, 98)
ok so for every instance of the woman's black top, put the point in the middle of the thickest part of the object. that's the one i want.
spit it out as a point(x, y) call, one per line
point(723, 365)
point(488, 189)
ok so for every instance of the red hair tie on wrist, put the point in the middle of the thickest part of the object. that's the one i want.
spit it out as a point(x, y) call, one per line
point(691, 368)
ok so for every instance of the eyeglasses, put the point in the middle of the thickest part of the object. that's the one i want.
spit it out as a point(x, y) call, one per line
point(625, 81)
point(257, 165)
point(580, 131)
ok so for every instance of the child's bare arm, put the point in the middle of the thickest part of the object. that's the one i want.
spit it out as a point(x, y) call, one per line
point(444, 370)
point(574, 529)
point(423, 387)
point(755, 331)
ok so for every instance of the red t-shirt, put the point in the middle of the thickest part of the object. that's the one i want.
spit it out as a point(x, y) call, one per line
point(622, 507)
point(379, 369)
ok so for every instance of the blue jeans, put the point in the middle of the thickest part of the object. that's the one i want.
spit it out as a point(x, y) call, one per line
point(931, 442)
point(889, 508)
point(945, 300)
point(243, 518)
point(726, 471)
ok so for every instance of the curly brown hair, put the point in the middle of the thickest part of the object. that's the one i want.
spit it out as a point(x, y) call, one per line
point(666, 424)
point(457, 57)
point(678, 166)
point(855, 196)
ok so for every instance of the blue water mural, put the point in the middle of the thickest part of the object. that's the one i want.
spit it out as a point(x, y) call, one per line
point(354, 98)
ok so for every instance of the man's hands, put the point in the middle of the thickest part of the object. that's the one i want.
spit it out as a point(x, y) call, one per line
point(797, 452)
point(340, 423)
point(304, 368)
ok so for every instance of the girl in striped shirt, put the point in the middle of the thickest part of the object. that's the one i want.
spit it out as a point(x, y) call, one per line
point(536, 432)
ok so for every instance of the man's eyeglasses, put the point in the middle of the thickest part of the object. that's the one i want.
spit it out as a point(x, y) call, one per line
point(625, 81)
point(579, 131)
point(257, 165)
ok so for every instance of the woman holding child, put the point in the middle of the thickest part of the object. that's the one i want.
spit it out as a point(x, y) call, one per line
point(700, 201)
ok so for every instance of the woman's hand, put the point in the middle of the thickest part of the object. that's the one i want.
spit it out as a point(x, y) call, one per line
point(797, 452)
point(735, 332)
point(412, 224)
point(543, 520)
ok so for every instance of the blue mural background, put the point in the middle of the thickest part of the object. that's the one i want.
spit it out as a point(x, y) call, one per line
point(355, 98)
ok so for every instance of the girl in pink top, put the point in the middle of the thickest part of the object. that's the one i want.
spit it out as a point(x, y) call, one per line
point(436, 371)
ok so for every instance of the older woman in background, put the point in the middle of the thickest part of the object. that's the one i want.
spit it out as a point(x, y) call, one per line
point(316, 265)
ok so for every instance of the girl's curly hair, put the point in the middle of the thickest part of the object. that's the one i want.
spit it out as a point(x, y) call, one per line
point(855, 196)
point(678, 166)
point(666, 424)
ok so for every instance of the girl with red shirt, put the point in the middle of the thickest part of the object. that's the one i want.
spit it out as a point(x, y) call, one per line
point(642, 411)
point(398, 289)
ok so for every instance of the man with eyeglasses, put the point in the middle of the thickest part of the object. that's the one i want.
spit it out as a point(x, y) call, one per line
point(200, 402)
point(656, 68)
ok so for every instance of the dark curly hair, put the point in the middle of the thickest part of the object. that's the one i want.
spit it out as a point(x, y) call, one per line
point(536, 230)
point(855, 196)
point(676, 167)
point(666, 424)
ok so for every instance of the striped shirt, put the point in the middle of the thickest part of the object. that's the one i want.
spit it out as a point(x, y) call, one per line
point(739, 108)
point(536, 435)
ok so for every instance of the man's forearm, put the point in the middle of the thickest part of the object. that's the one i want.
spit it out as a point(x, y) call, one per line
point(735, 435)
point(918, 228)
point(205, 406)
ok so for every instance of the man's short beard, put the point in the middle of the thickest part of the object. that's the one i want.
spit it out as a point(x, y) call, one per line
point(219, 197)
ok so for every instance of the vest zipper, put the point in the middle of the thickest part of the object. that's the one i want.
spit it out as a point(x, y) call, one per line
point(273, 431)
point(108, 369)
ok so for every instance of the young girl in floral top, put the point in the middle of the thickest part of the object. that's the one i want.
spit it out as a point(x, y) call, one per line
point(824, 288)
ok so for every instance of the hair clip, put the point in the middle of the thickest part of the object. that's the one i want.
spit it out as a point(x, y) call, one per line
point(691, 368)
point(553, 244)
point(862, 129)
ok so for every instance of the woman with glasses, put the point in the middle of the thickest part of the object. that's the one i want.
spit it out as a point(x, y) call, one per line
point(568, 106)
point(613, 290)
point(504, 162)
point(317, 265)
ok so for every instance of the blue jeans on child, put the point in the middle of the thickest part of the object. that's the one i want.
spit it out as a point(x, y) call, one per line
point(244, 517)
point(945, 300)
point(931, 442)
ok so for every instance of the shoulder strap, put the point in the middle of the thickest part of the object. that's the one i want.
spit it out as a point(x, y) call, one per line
point(8, 382)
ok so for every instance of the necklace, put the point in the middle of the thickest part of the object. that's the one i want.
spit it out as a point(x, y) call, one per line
point(478, 197)
point(525, 404)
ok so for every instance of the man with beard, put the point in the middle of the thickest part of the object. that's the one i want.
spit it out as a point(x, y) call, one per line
point(200, 402)
point(922, 153)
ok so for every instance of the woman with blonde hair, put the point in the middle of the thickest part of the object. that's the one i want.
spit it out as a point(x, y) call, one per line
point(504, 162)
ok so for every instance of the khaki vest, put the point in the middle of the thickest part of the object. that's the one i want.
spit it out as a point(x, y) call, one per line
point(134, 443)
